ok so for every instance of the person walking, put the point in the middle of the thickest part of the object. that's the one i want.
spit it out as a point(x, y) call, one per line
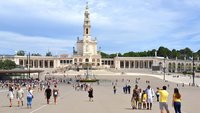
point(150, 95)
point(29, 97)
point(135, 97)
point(90, 94)
point(163, 99)
point(10, 95)
point(114, 89)
point(157, 94)
point(48, 93)
point(20, 96)
point(176, 102)
point(55, 93)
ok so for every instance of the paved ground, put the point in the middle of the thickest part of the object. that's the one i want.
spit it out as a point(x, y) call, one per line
point(71, 101)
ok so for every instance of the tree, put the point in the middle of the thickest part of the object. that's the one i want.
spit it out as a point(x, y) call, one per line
point(112, 55)
point(21, 53)
point(164, 52)
point(7, 64)
point(104, 55)
point(1, 64)
point(187, 52)
point(174, 54)
point(198, 68)
point(35, 54)
point(49, 54)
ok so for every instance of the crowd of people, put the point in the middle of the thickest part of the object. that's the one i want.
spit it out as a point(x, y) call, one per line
point(143, 99)
point(23, 89)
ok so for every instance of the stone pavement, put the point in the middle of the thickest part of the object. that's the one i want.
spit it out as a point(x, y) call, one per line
point(71, 101)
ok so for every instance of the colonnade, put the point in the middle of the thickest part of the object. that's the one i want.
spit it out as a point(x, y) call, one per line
point(128, 64)
point(37, 63)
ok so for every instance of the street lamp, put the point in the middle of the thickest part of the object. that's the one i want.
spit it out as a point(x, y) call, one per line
point(28, 64)
point(164, 67)
point(193, 70)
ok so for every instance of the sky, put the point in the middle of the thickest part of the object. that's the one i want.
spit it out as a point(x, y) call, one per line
point(38, 26)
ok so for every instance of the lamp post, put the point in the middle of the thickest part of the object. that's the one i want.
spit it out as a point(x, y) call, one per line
point(164, 67)
point(193, 70)
point(28, 64)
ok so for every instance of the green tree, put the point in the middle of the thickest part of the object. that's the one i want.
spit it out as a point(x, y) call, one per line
point(187, 52)
point(7, 65)
point(104, 55)
point(21, 53)
point(1, 64)
point(174, 54)
point(35, 54)
point(49, 54)
point(112, 55)
point(164, 52)
point(198, 68)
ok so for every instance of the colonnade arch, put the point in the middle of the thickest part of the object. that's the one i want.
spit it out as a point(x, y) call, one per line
point(136, 64)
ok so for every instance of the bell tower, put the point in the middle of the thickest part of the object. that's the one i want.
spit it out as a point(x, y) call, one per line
point(87, 46)
point(86, 25)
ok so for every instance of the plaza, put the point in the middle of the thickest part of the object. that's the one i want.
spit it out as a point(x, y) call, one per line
point(104, 100)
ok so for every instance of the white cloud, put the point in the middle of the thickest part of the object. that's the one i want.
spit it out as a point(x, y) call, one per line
point(64, 11)
point(119, 22)
point(14, 41)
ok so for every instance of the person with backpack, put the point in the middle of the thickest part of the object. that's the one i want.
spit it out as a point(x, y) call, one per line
point(29, 97)
point(55, 94)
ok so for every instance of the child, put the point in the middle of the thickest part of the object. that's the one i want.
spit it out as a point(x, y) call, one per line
point(144, 99)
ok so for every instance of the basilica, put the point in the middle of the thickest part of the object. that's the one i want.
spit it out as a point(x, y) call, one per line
point(86, 54)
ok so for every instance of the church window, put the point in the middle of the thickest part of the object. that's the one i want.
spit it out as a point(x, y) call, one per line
point(86, 60)
point(86, 30)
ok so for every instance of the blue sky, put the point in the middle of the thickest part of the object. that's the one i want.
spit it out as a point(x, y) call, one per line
point(37, 26)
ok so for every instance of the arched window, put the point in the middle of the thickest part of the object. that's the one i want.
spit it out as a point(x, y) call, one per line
point(86, 60)
point(86, 30)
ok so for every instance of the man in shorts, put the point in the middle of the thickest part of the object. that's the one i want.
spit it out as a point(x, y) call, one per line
point(163, 99)
point(20, 96)
point(48, 94)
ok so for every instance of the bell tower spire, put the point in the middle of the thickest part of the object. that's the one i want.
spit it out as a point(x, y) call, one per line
point(86, 25)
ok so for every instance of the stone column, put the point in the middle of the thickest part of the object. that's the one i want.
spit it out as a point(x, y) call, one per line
point(124, 64)
point(43, 63)
point(136, 64)
point(147, 64)
point(33, 63)
point(48, 64)
point(38, 64)
point(23, 63)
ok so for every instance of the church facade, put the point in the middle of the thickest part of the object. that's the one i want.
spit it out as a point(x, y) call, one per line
point(86, 54)
point(86, 49)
